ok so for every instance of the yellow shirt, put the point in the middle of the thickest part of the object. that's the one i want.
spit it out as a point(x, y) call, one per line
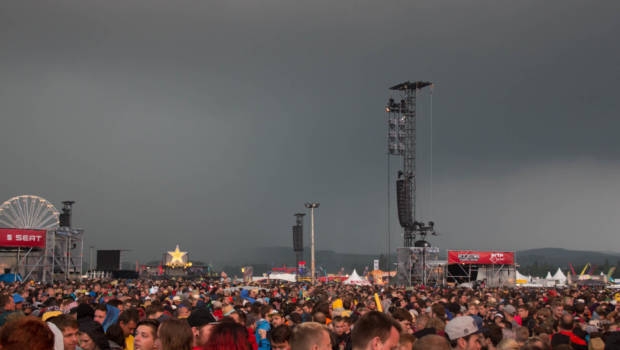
point(129, 342)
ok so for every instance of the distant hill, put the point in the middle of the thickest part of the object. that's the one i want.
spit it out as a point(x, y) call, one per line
point(539, 261)
point(562, 257)
point(531, 261)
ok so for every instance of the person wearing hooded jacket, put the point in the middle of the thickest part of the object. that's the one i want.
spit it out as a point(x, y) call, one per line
point(262, 328)
point(58, 338)
point(111, 317)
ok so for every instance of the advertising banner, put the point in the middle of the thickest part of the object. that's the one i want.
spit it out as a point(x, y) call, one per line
point(474, 257)
point(15, 237)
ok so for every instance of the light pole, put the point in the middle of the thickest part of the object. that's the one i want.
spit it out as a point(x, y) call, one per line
point(91, 255)
point(312, 206)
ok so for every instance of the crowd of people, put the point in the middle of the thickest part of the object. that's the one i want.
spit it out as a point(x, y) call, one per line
point(218, 315)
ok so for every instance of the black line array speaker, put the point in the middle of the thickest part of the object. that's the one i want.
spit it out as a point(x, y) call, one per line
point(64, 220)
point(298, 239)
point(404, 202)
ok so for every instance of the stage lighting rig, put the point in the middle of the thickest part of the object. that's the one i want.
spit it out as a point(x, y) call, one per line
point(401, 117)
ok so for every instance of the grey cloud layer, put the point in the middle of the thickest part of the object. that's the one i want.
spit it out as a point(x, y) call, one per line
point(210, 123)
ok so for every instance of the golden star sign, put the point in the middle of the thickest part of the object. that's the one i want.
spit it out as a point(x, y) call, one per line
point(177, 256)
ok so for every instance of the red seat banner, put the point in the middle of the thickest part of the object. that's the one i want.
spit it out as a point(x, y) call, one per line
point(474, 257)
point(15, 237)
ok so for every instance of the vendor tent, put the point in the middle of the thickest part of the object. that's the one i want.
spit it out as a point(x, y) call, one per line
point(355, 279)
point(559, 277)
point(289, 277)
point(548, 277)
point(521, 279)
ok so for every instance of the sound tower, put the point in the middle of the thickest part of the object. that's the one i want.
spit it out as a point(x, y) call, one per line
point(65, 218)
point(403, 199)
point(298, 243)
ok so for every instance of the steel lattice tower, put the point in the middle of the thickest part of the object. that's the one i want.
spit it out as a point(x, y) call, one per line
point(402, 142)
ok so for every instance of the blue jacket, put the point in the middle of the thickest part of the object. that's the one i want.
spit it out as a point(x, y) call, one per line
point(263, 344)
point(111, 317)
point(246, 295)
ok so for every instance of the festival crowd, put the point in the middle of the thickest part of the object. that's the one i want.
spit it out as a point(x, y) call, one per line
point(216, 315)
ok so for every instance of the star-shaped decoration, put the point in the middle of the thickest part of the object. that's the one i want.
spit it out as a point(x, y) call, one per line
point(177, 256)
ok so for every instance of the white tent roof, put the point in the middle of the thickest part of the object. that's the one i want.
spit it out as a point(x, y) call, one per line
point(559, 276)
point(521, 278)
point(290, 277)
point(354, 278)
point(548, 277)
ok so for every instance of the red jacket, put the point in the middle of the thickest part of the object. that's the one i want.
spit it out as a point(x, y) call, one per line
point(568, 337)
point(252, 339)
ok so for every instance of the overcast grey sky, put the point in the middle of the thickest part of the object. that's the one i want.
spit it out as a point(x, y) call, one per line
point(209, 123)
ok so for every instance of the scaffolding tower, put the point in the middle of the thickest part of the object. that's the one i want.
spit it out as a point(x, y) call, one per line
point(60, 259)
point(402, 142)
point(402, 136)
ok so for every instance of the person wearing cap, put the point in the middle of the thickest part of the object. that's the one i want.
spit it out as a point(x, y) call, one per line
point(509, 315)
point(201, 321)
point(176, 301)
point(19, 301)
point(230, 311)
point(183, 311)
point(463, 333)
point(276, 318)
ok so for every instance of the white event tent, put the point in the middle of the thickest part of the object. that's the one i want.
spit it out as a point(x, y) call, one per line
point(522, 279)
point(355, 279)
point(559, 277)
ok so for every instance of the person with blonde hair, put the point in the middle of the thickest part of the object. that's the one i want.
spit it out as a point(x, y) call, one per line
point(311, 336)
point(508, 344)
point(432, 342)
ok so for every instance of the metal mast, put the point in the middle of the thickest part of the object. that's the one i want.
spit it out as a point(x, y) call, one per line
point(402, 142)
point(312, 206)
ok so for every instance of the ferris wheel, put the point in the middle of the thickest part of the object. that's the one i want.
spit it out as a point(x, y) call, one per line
point(29, 212)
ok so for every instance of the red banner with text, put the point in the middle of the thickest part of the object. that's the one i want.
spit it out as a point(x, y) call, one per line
point(15, 237)
point(474, 257)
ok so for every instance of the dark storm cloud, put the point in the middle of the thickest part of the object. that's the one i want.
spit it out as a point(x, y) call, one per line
point(208, 124)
